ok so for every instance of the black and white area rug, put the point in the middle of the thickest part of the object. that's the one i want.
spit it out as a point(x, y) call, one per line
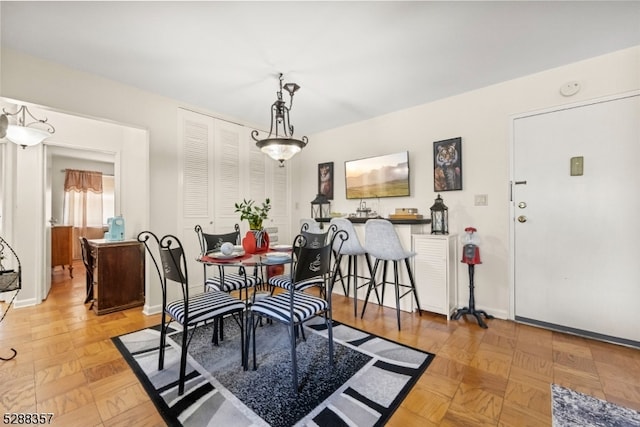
point(573, 409)
point(370, 377)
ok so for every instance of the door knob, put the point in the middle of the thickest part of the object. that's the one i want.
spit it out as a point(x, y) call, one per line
point(522, 218)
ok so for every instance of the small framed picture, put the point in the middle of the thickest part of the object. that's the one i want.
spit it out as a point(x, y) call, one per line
point(325, 179)
point(447, 165)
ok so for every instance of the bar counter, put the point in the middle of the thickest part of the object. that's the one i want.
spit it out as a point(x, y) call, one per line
point(360, 220)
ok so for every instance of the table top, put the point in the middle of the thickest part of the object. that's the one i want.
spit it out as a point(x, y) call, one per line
point(267, 258)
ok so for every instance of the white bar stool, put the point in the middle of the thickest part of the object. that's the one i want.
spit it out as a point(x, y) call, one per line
point(352, 249)
point(382, 243)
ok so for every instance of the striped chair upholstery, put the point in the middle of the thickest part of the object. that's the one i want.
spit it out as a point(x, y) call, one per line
point(228, 282)
point(192, 311)
point(284, 281)
point(292, 307)
point(203, 307)
point(277, 307)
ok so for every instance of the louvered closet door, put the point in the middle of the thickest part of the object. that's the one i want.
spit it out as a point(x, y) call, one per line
point(278, 192)
point(196, 132)
point(229, 182)
point(220, 167)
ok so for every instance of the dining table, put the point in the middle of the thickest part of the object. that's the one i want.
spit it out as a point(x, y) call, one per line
point(277, 255)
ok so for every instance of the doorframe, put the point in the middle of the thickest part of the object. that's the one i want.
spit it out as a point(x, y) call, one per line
point(512, 207)
point(52, 149)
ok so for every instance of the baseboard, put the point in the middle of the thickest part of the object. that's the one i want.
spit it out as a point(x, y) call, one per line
point(579, 332)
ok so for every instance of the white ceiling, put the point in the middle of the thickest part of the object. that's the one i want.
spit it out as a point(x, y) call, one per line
point(353, 60)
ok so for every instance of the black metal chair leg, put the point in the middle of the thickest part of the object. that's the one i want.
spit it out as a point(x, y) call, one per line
point(372, 285)
point(397, 286)
point(294, 360)
point(183, 362)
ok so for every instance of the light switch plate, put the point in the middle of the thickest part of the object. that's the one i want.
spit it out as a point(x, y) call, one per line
point(480, 200)
point(577, 166)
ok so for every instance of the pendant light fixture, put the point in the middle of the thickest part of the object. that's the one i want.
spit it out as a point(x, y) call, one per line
point(23, 133)
point(280, 144)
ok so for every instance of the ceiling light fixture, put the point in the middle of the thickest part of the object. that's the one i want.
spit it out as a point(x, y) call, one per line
point(280, 144)
point(23, 133)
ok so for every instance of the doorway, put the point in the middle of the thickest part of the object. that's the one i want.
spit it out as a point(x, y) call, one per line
point(58, 159)
point(575, 202)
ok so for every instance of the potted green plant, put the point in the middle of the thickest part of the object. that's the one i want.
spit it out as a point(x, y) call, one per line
point(253, 213)
point(256, 240)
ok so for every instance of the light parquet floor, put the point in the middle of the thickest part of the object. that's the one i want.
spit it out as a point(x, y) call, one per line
point(501, 376)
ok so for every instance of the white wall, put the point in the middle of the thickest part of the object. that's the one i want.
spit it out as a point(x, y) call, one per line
point(481, 118)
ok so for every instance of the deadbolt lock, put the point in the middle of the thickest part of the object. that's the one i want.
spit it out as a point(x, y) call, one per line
point(522, 205)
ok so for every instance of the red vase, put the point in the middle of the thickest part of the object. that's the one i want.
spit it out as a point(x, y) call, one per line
point(255, 242)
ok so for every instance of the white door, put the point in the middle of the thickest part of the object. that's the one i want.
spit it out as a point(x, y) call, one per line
point(576, 237)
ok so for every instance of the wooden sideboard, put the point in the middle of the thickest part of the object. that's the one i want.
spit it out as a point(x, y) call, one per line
point(118, 278)
point(62, 247)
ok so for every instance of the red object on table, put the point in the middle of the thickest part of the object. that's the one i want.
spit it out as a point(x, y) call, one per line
point(250, 243)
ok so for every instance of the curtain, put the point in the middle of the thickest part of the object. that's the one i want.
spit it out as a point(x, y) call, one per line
point(82, 199)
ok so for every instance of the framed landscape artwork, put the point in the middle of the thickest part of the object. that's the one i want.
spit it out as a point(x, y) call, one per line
point(380, 176)
point(447, 165)
point(325, 179)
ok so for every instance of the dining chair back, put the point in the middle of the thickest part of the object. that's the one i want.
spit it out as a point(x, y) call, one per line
point(317, 238)
point(210, 243)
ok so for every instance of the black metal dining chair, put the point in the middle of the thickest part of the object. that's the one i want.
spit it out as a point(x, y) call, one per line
point(228, 279)
point(311, 265)
point(225, 281)
point(89, 264)
point(190, 311)
point(312, 239)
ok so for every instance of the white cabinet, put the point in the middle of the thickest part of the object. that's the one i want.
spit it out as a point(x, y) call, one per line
point(436, 272)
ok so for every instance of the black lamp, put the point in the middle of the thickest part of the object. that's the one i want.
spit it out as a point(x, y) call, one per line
point(439, 217)
point(320, 207)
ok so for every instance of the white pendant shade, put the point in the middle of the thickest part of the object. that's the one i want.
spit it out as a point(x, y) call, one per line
point(281, 152)
point(26, 136)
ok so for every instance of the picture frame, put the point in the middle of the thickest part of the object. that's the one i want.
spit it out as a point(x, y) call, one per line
point(447, 165)
point(325, 179)
point(379, 176)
